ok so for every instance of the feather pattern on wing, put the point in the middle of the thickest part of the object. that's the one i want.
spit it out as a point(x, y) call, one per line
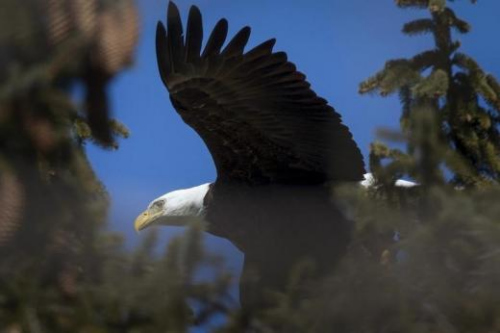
point(256, 113)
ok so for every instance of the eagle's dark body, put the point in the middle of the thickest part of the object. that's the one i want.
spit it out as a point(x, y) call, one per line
point(276, 145)
point(276, 227)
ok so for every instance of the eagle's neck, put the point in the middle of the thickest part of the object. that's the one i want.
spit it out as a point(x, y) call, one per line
point(187, 202)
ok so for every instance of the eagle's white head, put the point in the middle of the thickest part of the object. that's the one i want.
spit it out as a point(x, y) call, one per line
point(175, 208)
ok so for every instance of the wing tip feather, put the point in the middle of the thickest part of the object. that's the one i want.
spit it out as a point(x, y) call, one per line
point(237, 44)
point(194, 34)
point(172, 9)
point(161, 51)
point(194, 10)
point(216, 39)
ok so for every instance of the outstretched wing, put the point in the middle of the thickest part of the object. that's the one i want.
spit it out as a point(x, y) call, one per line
point(256, 113)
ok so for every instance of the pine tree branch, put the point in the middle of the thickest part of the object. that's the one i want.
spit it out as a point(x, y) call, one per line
point(371, 84)
point(21, 80)
point(418, 27)
point(425, 60)
point(461, 26)
point(433, 86)
point(437, 6)
point(396, 74)
point(495, 86)
point(419, 4)
point(483, 84)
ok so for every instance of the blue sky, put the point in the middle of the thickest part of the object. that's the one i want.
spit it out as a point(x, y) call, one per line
point(336, 43)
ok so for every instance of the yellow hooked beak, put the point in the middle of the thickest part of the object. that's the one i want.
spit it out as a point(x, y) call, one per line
point(144, 220)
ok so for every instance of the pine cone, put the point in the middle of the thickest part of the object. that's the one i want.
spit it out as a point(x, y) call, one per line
point(66, 17)
point(59, 22)
point(63, 248)
point(12, 199)
point(13, 328)
point(84, 15)
point(68, 280)
point(117, 38)
point(41, 133)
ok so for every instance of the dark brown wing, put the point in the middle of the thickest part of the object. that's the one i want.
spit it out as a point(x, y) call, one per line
point(256, 113)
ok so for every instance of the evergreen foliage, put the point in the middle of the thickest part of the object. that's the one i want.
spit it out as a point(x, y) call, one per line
point(52, 205)
point(455, 102)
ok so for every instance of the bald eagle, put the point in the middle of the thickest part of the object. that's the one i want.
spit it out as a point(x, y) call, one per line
point(277, 148)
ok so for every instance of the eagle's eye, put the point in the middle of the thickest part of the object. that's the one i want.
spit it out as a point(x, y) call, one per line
point(157, 206)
